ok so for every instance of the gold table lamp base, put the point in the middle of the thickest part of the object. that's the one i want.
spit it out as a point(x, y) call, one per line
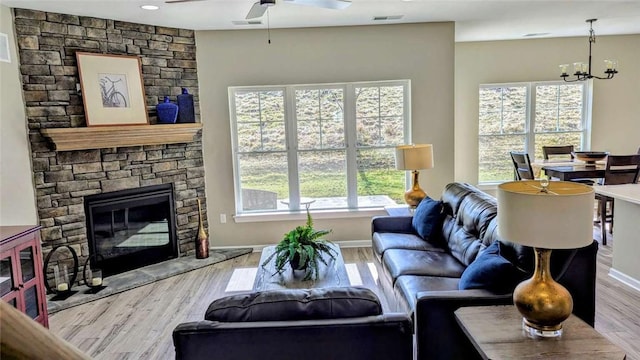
point(414, 195)
point(543, 303)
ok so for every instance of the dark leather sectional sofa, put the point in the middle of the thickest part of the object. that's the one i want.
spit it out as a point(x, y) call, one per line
point(421, 276)
point(343, 323)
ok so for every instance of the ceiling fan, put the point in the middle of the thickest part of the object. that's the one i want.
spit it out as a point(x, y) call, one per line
point(260, 7)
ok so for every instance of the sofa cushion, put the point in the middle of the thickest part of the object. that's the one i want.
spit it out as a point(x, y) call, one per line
point(491, 271)
point(469, 226)
point(453, 195)
point(426, 263)
point(295, 304)
point(427, 219)
point(385, 241)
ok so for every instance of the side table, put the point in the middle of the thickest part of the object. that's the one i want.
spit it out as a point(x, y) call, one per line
point(496, 333)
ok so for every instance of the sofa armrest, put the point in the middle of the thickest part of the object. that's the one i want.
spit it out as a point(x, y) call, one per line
point(395, 224)
point(437, 332)
point(579, 277)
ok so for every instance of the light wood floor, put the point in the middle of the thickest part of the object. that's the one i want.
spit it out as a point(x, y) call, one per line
point(137, 324)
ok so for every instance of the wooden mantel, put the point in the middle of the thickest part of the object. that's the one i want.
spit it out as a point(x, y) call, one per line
point(98, 137)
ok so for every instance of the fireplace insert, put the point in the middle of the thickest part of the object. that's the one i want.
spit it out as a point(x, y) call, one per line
point(131, 228)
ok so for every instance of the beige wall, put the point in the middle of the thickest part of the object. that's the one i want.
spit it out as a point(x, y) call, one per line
point(423, 53)
point(17, 198)
point(616, 102)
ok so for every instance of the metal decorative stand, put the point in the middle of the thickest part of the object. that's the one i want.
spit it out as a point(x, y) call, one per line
point(63, 281)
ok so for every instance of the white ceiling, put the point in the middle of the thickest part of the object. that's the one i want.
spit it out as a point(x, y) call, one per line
point(476, 20)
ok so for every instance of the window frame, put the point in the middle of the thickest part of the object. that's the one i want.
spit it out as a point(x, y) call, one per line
point(290, 120)
point(529, 134)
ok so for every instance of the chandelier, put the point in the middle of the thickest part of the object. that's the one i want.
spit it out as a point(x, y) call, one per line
point(582, 71)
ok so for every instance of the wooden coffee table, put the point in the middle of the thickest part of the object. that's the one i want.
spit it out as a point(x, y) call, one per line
point(334, 274)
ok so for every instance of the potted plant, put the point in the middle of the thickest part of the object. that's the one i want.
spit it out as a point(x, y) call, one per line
point(302, 248)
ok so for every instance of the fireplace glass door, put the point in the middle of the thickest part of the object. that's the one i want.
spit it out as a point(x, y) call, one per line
point(131, 228)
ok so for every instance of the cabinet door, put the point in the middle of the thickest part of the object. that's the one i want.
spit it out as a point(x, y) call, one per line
point(8, 280)
point(28, 282)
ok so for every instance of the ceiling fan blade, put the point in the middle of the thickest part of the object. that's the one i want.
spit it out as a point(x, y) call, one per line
point(256, 11)
point(179, 1)
point(327, 4)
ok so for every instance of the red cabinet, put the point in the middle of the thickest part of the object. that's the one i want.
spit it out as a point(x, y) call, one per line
point(21, 276)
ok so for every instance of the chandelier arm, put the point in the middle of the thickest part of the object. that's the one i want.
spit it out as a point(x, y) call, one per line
point(602, 78)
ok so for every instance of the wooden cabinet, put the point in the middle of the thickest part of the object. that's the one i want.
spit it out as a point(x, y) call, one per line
point(21, 276)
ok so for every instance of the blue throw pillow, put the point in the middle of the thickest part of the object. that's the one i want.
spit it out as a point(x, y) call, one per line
point(492, 272)
point(427, 218)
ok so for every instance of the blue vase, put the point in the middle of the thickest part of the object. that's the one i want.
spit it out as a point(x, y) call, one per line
point(167, 112)
point(186, 113)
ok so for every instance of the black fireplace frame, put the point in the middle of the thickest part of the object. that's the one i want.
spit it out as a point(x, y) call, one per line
point(115, 199)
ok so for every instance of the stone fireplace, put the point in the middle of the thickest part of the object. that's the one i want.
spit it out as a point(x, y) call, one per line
point(47, 44)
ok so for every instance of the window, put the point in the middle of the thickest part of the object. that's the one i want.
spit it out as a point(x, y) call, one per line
point(323, 146)
point(526, 116)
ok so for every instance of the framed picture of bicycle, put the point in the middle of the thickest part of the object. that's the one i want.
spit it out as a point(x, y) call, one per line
point(112, 89)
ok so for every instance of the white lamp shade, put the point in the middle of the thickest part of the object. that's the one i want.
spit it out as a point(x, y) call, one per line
point(414, 157)
point(561, 218)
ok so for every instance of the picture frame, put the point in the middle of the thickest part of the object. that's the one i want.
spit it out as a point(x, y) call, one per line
point(112, 89)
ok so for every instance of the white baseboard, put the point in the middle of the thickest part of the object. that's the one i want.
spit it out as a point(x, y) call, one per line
point(342, 244)
point(239, 247)
point(625, 279)
point(353, 243)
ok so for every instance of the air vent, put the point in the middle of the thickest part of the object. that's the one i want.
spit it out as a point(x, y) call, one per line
point(390, 17)
point(247, 22)
point(536, 34)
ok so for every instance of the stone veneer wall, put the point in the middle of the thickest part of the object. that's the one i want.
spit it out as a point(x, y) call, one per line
point(47, 43)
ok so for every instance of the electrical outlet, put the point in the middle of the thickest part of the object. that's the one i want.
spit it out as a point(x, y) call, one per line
point(223, 218)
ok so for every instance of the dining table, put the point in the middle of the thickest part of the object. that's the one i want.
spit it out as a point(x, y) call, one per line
point(574, 170)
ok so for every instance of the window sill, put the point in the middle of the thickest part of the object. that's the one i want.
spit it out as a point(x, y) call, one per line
point(489, 186)
point(316, 214)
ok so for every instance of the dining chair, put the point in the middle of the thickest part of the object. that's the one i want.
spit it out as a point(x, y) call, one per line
point(558, 150)
point(521, 165)
point(620, 169)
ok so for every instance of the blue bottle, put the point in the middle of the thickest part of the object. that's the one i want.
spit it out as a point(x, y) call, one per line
point(186, 113)
point(167, 112)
